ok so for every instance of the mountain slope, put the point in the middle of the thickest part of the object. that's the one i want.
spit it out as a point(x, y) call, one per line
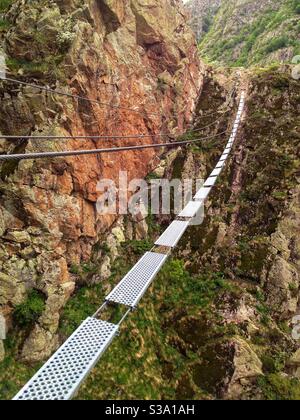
point(201, 14)
point(253, 32)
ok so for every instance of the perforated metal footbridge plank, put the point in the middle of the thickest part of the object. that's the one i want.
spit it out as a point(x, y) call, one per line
point(173, 234)
point(216, 172)
point(210, 182)
point(134, 285)
point(62, 375)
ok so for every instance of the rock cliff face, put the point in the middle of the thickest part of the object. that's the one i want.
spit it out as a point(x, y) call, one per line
point(252, 32)
point(201, 14)
point(131, 54)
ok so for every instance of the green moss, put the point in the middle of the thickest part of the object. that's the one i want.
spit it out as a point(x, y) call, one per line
point(74, 269)
point(254, 41)
point(28, 312)
point(277, 44)
point(153, 227)
point(104, 248)
point(264, 310)
point(279, 195)
point(199, 291)
point(84, 271)
point(148, 348)
point(89, 268)
point(152, 175)
point(278, 387)
point(296, 6)
point(4, 24)
point(83, 304)
point(5, 4)
point(13, 375)
point(294, 288)
point(47, 68)
point(253, 258)
point(260, 295)
point(273, 362)
point(138, 247)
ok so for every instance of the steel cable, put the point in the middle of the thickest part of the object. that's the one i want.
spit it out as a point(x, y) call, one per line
point(44, 155)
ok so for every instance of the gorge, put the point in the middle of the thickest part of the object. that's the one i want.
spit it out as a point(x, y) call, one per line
point(217, 321)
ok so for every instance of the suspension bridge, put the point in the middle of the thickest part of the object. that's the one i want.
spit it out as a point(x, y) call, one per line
point(62, 375)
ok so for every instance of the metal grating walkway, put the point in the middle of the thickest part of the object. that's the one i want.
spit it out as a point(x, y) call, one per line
point(62, 375)
point(210, 182)
point(134, 285)
point(173, 234)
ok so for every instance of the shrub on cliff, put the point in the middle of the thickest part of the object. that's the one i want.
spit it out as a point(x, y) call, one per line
point(277, 43)
point(279, 387)
point(29, 311)
point(4, 5)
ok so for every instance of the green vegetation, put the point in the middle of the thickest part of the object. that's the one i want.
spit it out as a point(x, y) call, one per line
point(83, 304)
point(5, 4)
point(84, 269)
point(13, 374)
point(278, 387)
point(146, 361)
point(296, 6)
point(149, 360)
point(188, 136)
point(279, 195)
point(207, 22)
point(48, 66)
point(89, 268)
point(147, 346)
point(277, 43)
point(254, 42)
point(138, 247)
point(153, 227)
point(28, 312)
point(273, 363)
point(4, 24)
point(198, 291)
point(152, 175)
